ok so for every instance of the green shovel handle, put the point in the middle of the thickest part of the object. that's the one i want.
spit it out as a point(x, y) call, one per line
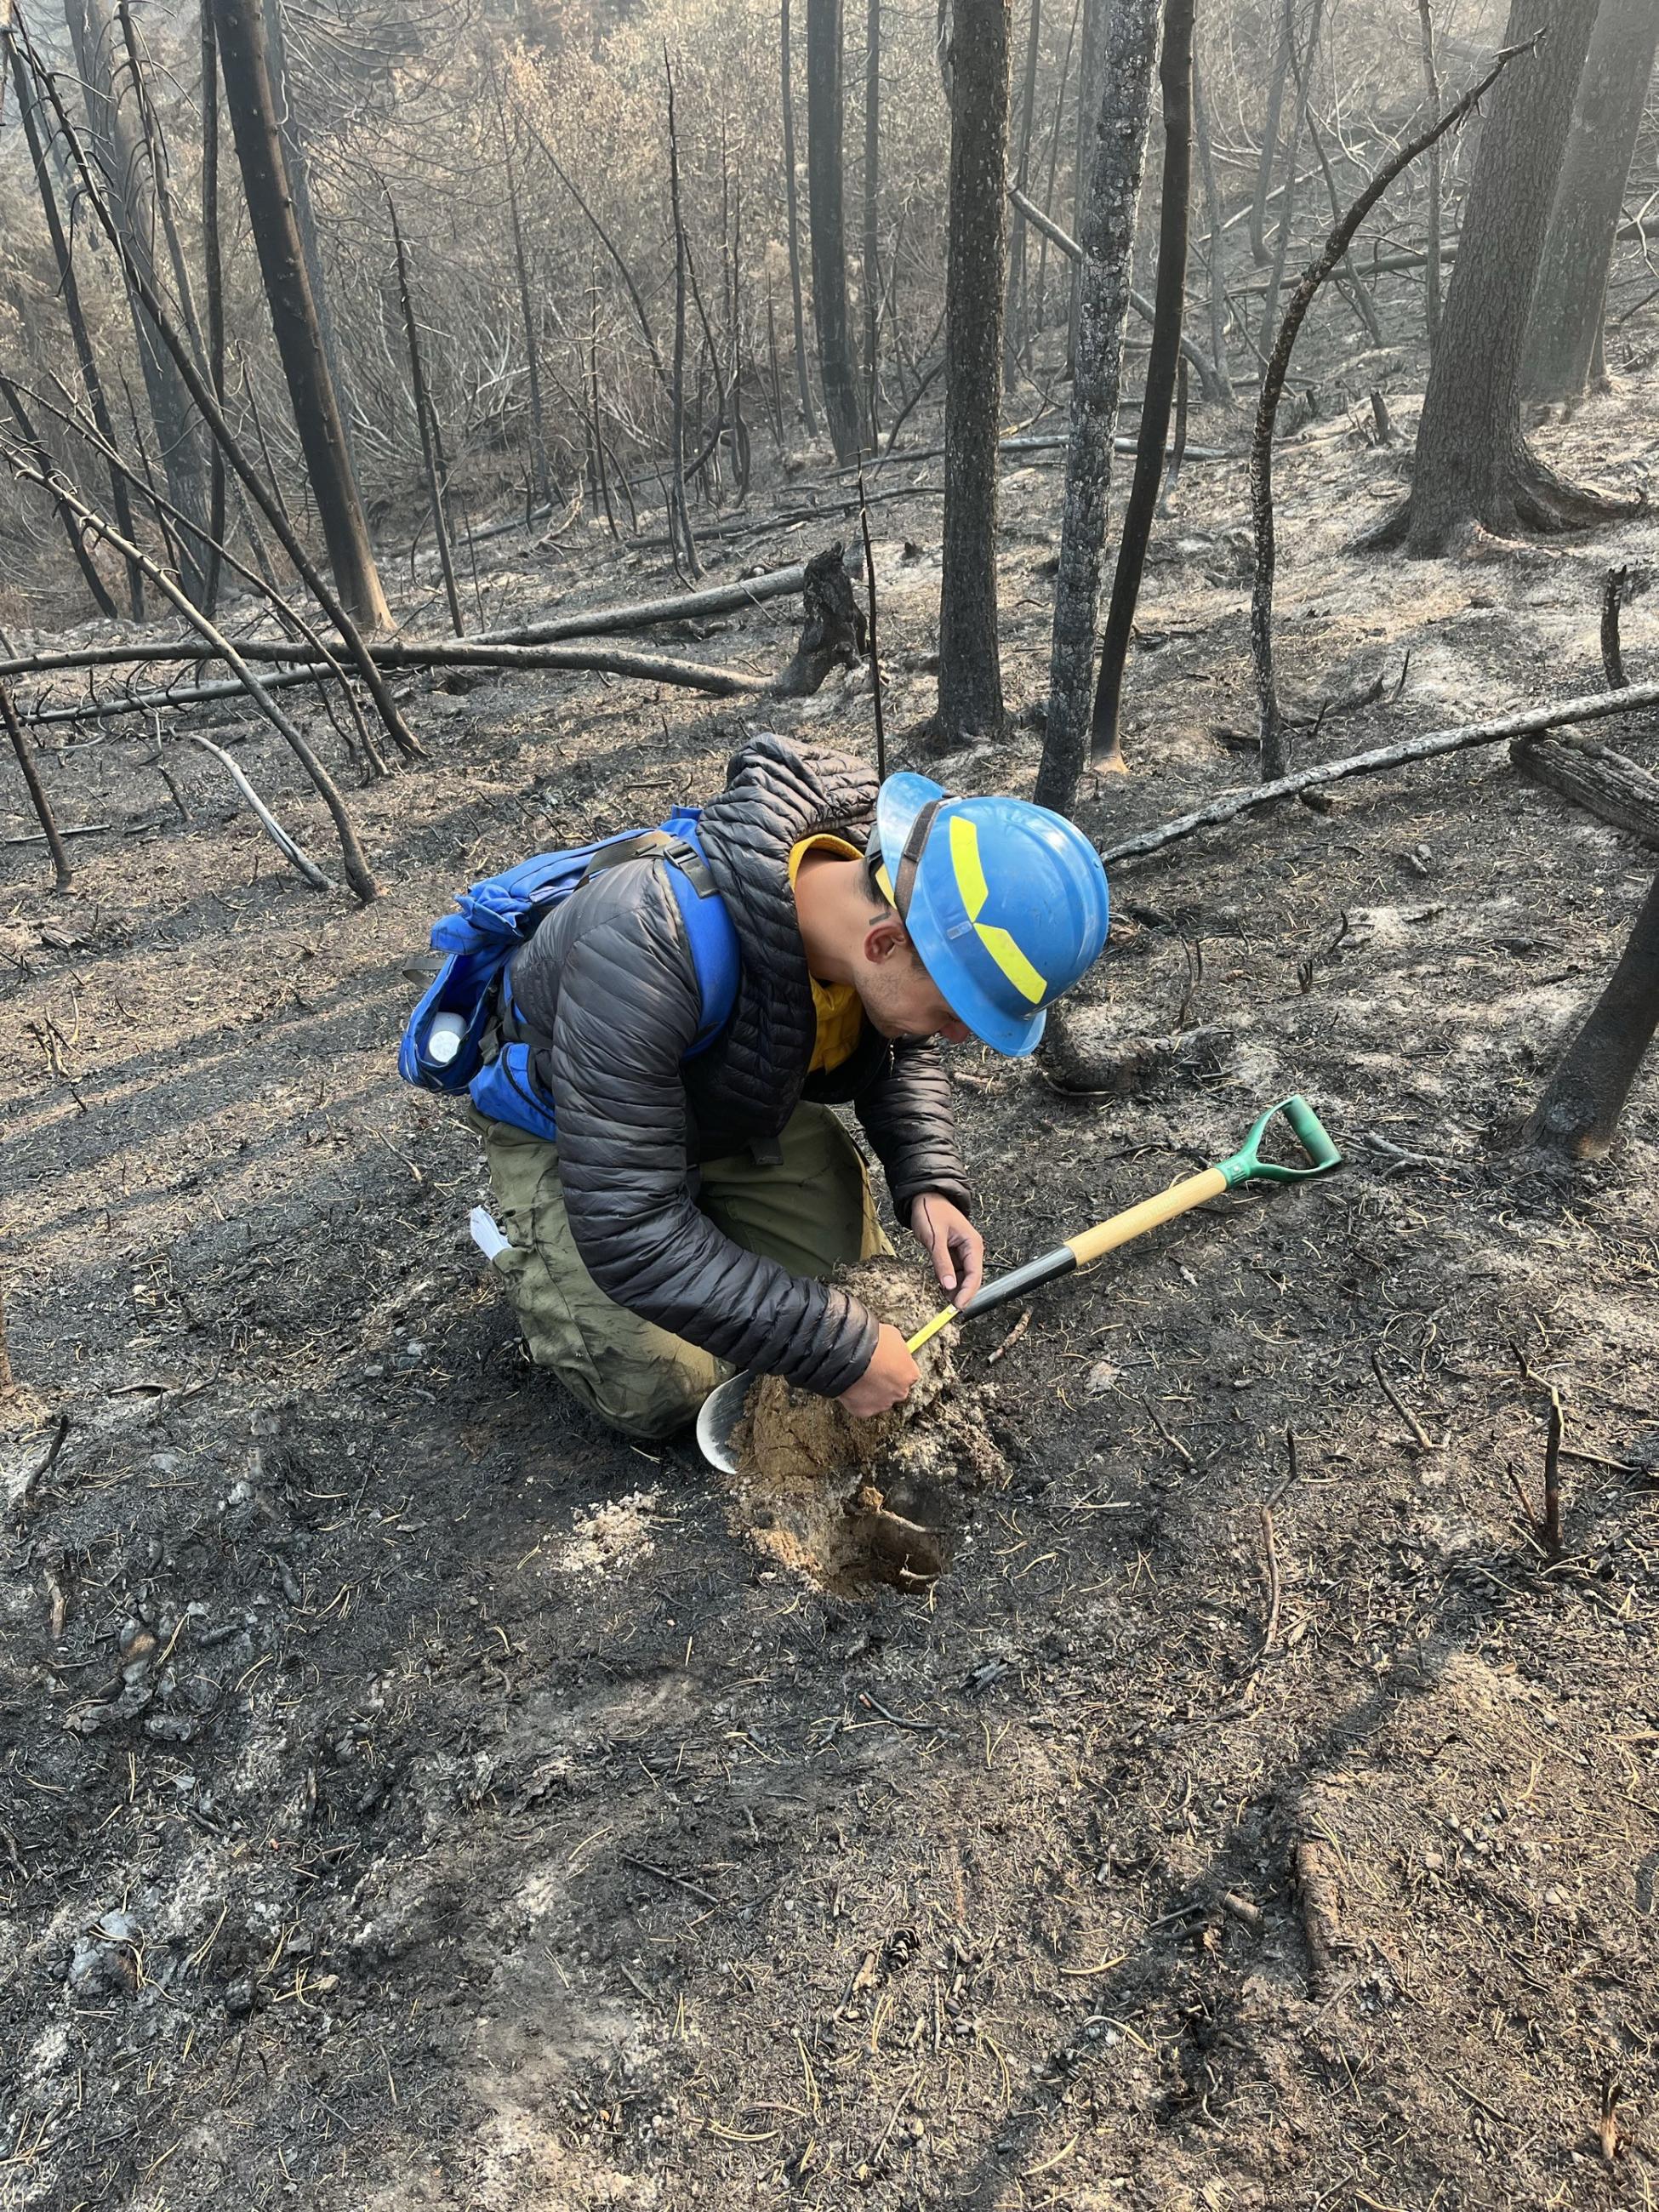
point(1311, 1132)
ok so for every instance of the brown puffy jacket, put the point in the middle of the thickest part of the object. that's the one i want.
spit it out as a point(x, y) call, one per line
point(607, 998)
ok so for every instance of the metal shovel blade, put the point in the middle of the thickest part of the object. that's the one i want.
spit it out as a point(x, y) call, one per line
point(722, 1409)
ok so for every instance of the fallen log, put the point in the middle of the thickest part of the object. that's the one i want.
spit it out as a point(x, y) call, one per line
point(1603, 782)
point(1531, 721)
point(592, 621)
point(827, 641)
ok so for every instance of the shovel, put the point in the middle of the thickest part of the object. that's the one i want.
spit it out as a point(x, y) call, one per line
point(723, 1408)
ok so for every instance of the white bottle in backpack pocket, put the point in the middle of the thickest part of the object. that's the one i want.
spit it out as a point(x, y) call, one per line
point(445, 1038)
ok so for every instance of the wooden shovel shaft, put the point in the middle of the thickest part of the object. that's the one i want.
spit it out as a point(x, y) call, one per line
point(1150, 1213)
point(1078, 1251)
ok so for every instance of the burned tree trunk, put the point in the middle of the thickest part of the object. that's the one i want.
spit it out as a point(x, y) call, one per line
point(970, 664)
point(1579, 1112)
point(296, 161)
point(1264, 169)
point(44, 816)
point(1215, 272)
point(125, 169)
point(1282, 235)
point(1013, 313)
point(871, 256)
point(1175, 77)
point(251, 101)
point(91, 382)
point(1474, 471)
point(792, 198)
point(826, 204)
point(541, 476)
point(427, 422)
point(1572, 276)
point(1108, 244)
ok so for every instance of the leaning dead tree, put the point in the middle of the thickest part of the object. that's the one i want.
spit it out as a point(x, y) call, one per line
point(92, 381)
point(264, 495)
point(43, 813)
point(117, 121)
point(1106, 245)
point(358, 874)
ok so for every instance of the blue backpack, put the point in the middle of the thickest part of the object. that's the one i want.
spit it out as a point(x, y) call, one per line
point(495, 917)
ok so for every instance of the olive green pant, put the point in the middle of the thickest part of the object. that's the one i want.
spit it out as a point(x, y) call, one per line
point(812, 1210)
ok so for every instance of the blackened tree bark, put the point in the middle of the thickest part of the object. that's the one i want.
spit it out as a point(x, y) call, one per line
point(1013, 313)
point(122, 159)
point(1579, 1112)
point(85, 359)
point(212, 274)
point(1284, 36)
point(1176, 79)
point(44, 816)
point(970, 664)
point(871, 257)
point(249, 96)
point(296, 161)
point(1215, 249)
point(826, 207)
point(792, 198)
point(1108, 243)
point(541, 476)
point(1090, 46)
point(1572, 275)
point(1474, 470)
point(1282, 235)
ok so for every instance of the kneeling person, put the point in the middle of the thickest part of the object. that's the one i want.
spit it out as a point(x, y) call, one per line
point(696, 1198)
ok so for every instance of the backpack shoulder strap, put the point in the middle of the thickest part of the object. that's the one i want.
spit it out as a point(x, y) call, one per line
point(710, 933)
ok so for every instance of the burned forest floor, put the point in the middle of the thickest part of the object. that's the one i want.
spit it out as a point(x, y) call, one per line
point(412, 1795)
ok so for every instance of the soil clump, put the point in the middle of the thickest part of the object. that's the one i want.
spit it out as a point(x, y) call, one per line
point(846, 1501)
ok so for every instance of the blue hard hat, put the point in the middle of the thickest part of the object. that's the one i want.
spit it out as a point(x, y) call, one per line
point(1006, 902)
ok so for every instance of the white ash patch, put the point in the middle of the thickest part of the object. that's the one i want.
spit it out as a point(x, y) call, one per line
point(613, 1534)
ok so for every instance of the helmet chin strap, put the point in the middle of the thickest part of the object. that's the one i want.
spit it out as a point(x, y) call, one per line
point(904, 882)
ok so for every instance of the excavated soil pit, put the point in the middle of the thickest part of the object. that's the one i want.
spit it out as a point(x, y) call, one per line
point(848, 1503)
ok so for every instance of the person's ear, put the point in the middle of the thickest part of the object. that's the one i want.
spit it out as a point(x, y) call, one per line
point(885, 937)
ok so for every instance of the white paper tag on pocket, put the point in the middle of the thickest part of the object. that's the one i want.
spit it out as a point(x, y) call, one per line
point(485, 1235)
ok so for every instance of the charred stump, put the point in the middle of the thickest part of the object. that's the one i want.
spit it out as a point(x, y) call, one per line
point(834, 633)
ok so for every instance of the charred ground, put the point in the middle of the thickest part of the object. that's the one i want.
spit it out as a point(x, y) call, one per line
point(411, 1795)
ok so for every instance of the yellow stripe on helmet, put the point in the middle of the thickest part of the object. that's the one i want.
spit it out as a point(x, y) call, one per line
point(1012, 961)
point(998, 942)
point(970, 869)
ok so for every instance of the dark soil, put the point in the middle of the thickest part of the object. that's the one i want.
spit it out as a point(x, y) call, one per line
point(844, 1502)
point(410, 1794)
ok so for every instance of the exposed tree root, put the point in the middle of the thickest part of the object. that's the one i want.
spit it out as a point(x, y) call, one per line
point(1534, 501)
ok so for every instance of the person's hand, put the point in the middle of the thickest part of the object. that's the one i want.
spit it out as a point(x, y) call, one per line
point(954, 1245)
point(887, 1381)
